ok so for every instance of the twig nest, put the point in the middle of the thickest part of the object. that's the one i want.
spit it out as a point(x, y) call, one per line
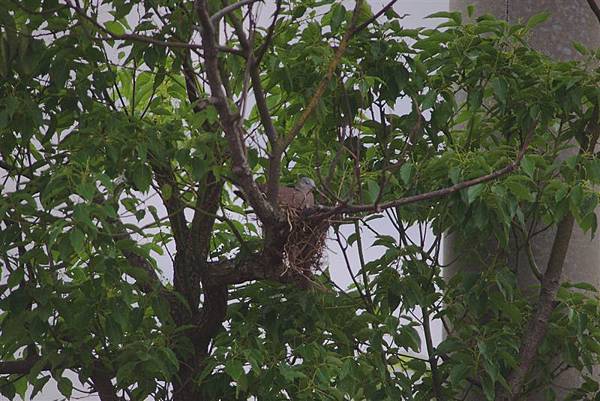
point(304, 247)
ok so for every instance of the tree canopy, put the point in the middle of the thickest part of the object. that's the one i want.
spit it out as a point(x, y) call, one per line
point(126, 128)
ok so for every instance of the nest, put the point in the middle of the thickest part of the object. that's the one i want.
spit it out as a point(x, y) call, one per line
point(304, 247)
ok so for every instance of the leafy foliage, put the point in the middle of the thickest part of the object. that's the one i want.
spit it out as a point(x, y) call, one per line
point(103, 109)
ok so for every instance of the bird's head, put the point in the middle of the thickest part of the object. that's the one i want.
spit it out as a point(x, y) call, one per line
point(305, 184)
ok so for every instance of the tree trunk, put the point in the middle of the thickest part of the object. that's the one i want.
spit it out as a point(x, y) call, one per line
point(570, 21)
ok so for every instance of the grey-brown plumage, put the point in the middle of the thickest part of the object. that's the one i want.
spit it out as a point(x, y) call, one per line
point(298, 197)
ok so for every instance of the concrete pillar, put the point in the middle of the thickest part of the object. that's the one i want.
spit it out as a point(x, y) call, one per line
point(570, 21)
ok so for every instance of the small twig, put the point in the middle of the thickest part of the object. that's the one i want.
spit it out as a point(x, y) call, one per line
point(374, 17)
point(539, 320)
point(322, 211)
point(214, 19)
point(337, 58)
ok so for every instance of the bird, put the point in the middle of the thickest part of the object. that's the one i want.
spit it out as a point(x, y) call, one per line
point(299, 196)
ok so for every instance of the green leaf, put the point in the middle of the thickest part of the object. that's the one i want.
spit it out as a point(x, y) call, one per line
point(537, 19)
point(65, 386)
point(235, 369)
point(489, 388)
point(372, 190)
point(454, 175)
point(528, 166)
point(473, 192)
point(406, 172)
point(338, 15)
point(142, 177)
point(38, 385)
point(15, 278)
point(167, 191)
point(500, 86)
point(452, 15)
point(115, 27)
point(21, 386)
point(77, 239)
point(521, 191)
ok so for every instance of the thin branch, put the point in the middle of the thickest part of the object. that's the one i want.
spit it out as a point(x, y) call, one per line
point(241, 169)
point(363, 264)
point(269, 36)
point(337, 58)
point(259, 93)
point(263, 112)
point(539, 320)
point(435, 374)
point(214, 19)
point(374, 17)
point(324, 211)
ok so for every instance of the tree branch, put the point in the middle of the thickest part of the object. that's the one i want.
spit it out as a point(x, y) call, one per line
point(240, 168)
point(538, 322)
point(326, 211)
point(214, 19)
point(103, 384)
point(20, 366)
point(314, 101)
point(175, 208)
point(374, 17)
point(595, 8)
point(263, 112)
point(269, 36)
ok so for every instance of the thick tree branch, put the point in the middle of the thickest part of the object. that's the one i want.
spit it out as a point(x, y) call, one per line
point(204, 215)
point(241, 168)
point(536, 328)
point(243, 269)
point(595, 8)
point(175, 208)
point(103, 384)
point(538, 322)
point(20, 366)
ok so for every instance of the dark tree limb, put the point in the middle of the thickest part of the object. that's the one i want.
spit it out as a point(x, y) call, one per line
point(326, 211)
point(536, 328)
point(538, 322)
point(103, 384)
point(206, 208)
point(20, 366)
point(241, 168)
point(163, 174)
point(595, 8)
